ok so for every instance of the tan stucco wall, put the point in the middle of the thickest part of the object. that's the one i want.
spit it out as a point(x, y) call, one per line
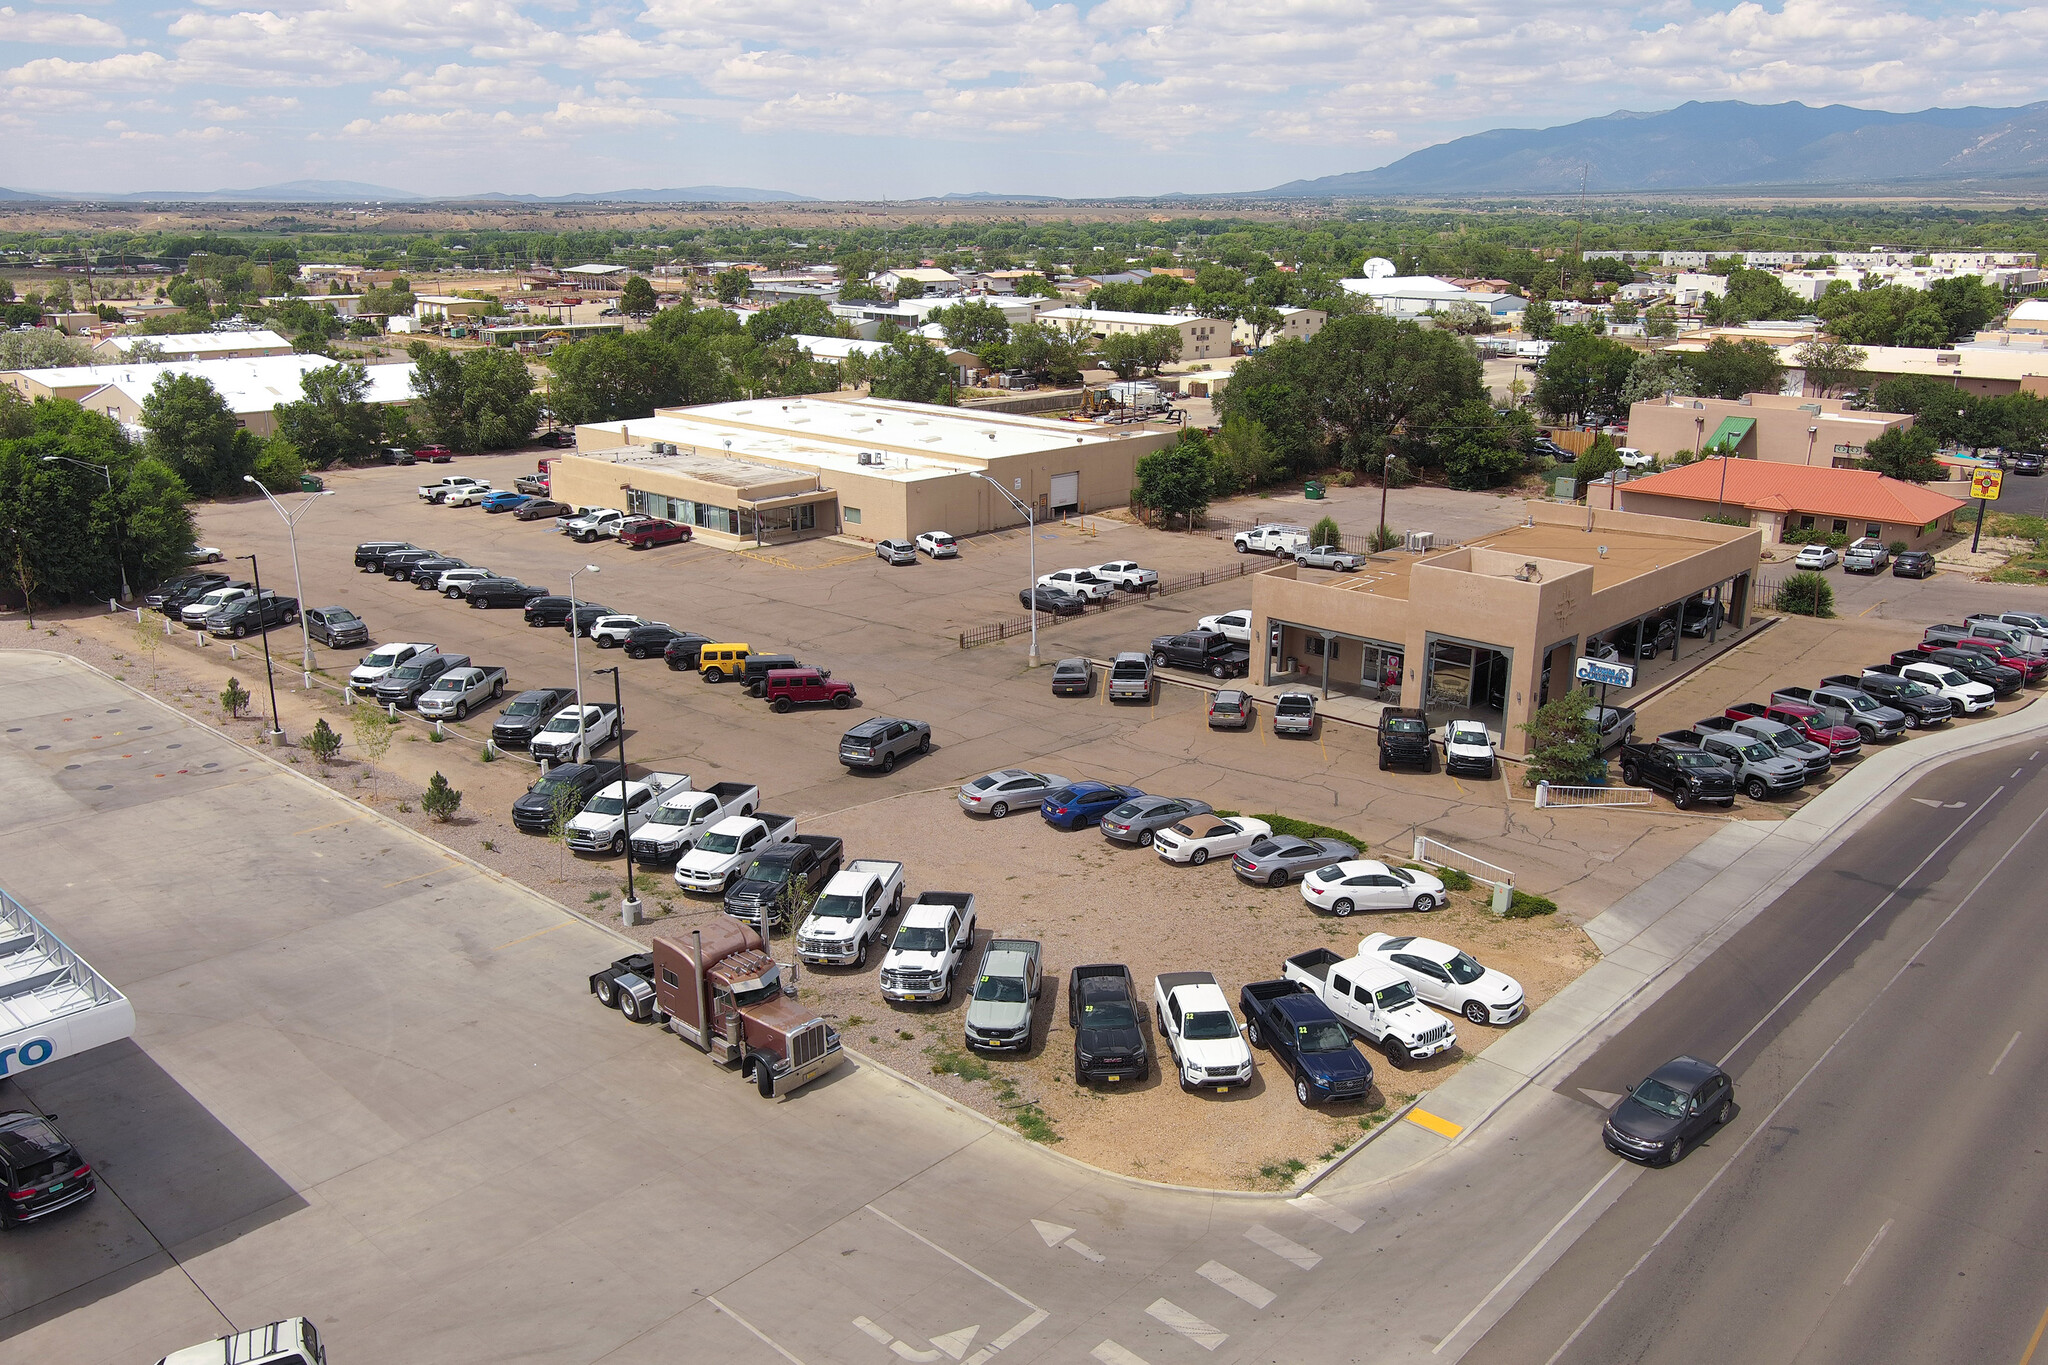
point(1773, 524)
point(1780, 433)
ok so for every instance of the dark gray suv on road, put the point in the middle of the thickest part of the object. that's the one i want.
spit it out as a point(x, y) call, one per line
point(878, 743)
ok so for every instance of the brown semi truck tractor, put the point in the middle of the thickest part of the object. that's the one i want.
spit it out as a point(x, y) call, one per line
point(717, 989)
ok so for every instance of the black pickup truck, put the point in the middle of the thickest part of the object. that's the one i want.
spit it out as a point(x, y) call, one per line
point(768, 878)
point(1102, 1009)
point(2002, 681)
point(1203, 651)
point(562, 792)
point(1404, 740)
point(1687, 776)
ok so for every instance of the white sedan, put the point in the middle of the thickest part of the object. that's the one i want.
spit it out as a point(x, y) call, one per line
point(1199, 838)
point(1082, 581)
point(1234, 626)
point(204, 554)
point(1127, 574)
point(611, 631)
point(939, 545)
point(1448, 977)
point(1817, 557)
point(1363, 884)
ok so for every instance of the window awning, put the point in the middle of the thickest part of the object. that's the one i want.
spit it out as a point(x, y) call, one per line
point(1729, 434)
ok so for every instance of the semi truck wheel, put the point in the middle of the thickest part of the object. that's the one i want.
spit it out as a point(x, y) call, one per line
point(607, 992)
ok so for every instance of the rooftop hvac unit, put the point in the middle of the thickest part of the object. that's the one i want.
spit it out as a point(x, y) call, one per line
point(1418, 541)
point(665, 448)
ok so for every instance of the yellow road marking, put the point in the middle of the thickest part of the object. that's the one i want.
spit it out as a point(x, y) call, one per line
point(315, 829)
point(567, 923)
point(1322, 746)
point(1873, 606)
point(1442, 1127)
point(2039, 1328)
point(403, 880)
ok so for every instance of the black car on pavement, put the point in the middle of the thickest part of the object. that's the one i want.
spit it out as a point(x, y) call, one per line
point(1404, 740)
point(540, 508)
point(501, 592)
point(2024, 462)
point(337, 627)
point(548, 611)
point(206, 582)
point(1204, 651)
point(40, 1171)
point(1042, 598)
point(524, 715)
point(425, 574)
point(370, 554)
point(1670, 1110)
point(1072, 678)
point(398, 564)
point(644, 642)
point(1687, 776)
point(587, 614)
point(878, 743)
point(1913, 564)
point(564, 789)
point(239, 617)
point(681, 652)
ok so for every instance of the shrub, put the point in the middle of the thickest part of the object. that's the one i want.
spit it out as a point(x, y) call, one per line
point(1806, 594)
point(1454, 878)
point(1563, 739)
point(1325, 532)
point(1385, 538)
point(1343, 478)
point(1897, 547)
point(440, 800)
point(234, 698)
point(322, 742)
point(1304, 829)
point(1527, 905)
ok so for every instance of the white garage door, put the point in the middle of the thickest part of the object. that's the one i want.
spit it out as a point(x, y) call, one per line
point(1066, 492)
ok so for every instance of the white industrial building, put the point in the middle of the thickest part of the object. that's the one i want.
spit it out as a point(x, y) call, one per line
point(252, 387)
point(196, 345)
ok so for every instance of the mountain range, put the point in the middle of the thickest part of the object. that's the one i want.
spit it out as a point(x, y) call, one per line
point(351, 191)
point(1720, 145)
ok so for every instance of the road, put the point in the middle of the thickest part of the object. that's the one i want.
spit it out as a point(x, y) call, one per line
point(1878, 1197)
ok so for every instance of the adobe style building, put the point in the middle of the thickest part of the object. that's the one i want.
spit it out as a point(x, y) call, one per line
point(1760, 426)
point(1777, 498)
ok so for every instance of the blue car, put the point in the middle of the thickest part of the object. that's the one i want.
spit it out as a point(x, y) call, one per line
point(1083, 804)
point(504, 501)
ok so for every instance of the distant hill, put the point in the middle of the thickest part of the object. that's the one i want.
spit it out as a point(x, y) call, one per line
point(8, 196)
point(290, 192)
point(351, 191)
point(1724, 144)
point(690, 194)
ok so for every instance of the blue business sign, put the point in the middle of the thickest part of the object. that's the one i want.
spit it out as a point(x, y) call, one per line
point(34, 1052)
point(1612, 675)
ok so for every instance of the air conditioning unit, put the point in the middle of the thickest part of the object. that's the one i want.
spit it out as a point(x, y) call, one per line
point(1418, 541)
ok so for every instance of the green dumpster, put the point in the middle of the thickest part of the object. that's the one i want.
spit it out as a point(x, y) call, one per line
point(1314, 491)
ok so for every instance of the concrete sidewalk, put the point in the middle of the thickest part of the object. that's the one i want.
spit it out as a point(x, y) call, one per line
point(1653, 936)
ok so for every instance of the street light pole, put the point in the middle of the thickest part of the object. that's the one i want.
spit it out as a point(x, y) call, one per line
point(576, 654)
point(291, 530)
point(120, 541)
point(256, 571)
point(1031, 529)
point(629, 909)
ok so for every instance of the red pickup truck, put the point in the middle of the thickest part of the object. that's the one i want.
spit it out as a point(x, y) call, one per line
point(1841, 741)
point(641, 532)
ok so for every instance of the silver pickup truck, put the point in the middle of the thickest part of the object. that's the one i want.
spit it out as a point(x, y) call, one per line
point(999, 1011)
point(461, 690)
point(1130, 677)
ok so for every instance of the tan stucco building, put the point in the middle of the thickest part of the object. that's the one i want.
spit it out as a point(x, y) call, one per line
point(1493, 628)
point(1760, 426)
point(1777, 498)
point(779, 469)
point(1200, 338)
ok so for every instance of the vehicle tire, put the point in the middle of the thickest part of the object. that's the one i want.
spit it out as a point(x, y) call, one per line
point(1726, 1112)
point(1301, 561)
point(998, 810)
point(1278, 878)
point(630, 1007)
point(1145, 839)
point(924, 746)
point(1396, 1053)
point(240, 630)
point(764, 1078)
point(860, 954)
point(462, 710)
point(291, 615)
point(1682, 799)
point(618, 844)
point(781, 705)
point(1424, 903)
point(1198, 857)
point(714, 675)
point(946, 997)
point(1475, 1011)
point(1219, 672)
point(635, 652)
point(842, 701)
point(1251, 1033)
point(451, 593)
point(1383, 763)
point(476, 602)
point(1631, 774)
point(1343, 908)
point(1242, 549)
point(585, 537)
point(1301, 1091)
point(608, 992)
point(497, 689)
point(1912, 722)
point(1159, 659)
point(1757, 789)
point(888, 763)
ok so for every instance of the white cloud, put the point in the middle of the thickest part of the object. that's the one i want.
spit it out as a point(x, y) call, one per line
point(129, 69)
point(252, 106)
point(64, 30)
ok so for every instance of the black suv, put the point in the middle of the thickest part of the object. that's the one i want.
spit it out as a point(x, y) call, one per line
point(754, 673)
point(565, 787)
point(425, 574)
point(486, 593)
point(524, 715)
point(1204, 651)
point(644, 642)
point(370, 554)
point(1977, 667)
point(878, 743)
point(1404, 740)
point(1913, 564)
point(398, 563)
point(681, 652)
point(40, 1172)
point(553, 611)
point(239, 617)
point(1676, 1105)
point(587, 614)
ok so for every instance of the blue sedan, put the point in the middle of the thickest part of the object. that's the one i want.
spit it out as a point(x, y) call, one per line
point(504, 501)
point(1084, 804)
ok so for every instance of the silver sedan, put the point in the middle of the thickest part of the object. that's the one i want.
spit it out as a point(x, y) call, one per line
point(997, 794)
point(1136, 820)
point(1285, 858)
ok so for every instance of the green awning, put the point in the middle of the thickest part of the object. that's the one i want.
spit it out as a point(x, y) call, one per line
point(1729, 434)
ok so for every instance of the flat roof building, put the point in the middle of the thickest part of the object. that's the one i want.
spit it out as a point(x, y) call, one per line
point(1785, 429)
point(779, 469)
point(252, 387)
point(1200, 338)
point(196, 345)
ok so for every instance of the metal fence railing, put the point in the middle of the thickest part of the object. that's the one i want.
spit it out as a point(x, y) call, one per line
point(1003, 630)
point(1550, 796)
point(1439, 854)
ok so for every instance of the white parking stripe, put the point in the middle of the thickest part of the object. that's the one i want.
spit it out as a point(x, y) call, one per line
point(1109, 1353)
point(1187, 1324)
point(1280, 1246)
point(1223, 1277)
point(1328, 1212)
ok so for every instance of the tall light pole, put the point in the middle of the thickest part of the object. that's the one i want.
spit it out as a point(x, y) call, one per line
point(576, 655)
point(256, 571)
point(630, 908)
point(1031, 529)
point(291, 530)
point(107, 473)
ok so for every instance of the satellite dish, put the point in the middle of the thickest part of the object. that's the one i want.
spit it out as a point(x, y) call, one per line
point(1378, 268)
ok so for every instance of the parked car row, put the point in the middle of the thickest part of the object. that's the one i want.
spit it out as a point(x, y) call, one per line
point(1068, 592)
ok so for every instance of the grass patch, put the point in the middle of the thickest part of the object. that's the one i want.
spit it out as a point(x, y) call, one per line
point(948, 1061)
point(594, 897)
point(854, 1021)
point(1281, 1172)
point(1033, 1123)
point(435, 737)
point(1306, 829)
point(490, 846)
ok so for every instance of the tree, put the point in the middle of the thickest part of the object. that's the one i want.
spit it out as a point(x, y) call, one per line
point(192, 429)
point(616, 375)
point(1661, 321)
point(41, 348)
point(234, 698)
point(1037, 287)
point(473, 401)
point(1480, 447)
point(637, 299)
point(372, 731)
point(1752, 294)
point(1370, 377)
point(1904, 453)
point(798, 317)
point(1806, 594)
point(1539, 319)
point(1044, 354)
point(1600, 460)
point(1240, 457)
point(1582, 374)
point(1326, 532)
point(440, 800)
point(1831, 365)
point(334, 423)
point(732, 285)
point(1174, 483)
point(1622, 311)
point(322, 742)
point(278, 466)
point(973, 326)
point(1124, 352)
point(1656, 373)
point(913, 372)
point(1730, 369)
point(1563, 740)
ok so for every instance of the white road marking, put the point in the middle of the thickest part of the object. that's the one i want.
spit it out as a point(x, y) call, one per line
point(1328, 1212)
point(1851, 1276)
point(1083, 1250)
point(1187, 1324)
point(955, 1343)
point(1109, 1353)
point(1052, 1233)
point(1280, 1246)
point(1037, 1314)
point(1223, 1277)
point(2002, 1055)
point(1606, 1099)
point(1522, 1264)
point(881, 1334)
point(764, 1338)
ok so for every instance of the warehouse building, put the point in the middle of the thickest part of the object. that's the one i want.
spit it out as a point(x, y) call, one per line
point(251, 388)
point(194, 345)
point(773, 470)
point(1492, 629)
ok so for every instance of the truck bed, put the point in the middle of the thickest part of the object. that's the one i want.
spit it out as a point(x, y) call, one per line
point(1013, 945)
point(1273, 990)
point(726, 791)
point(1316, 962)
point(958, 900)
point(1169, 982)
point(873, 867)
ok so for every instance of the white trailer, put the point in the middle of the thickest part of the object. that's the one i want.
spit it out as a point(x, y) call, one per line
point(52, 1004)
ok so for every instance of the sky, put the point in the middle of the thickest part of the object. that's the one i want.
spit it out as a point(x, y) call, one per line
point(881, 99)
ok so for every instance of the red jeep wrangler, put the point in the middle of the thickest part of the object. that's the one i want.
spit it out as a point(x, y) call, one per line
point(786, 687)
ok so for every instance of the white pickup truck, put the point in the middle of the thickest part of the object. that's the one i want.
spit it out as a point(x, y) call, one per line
point(724, 850)
point(1376, 1001)
point(598, 521)
point(381, 660)
point(850, 913)
point(1274, 538)
point(1203, 1036)
point(930, 948)
point(617, 811)
point(675, 822)
point(453, 483)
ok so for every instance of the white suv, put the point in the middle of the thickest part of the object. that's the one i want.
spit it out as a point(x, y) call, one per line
point(455, 582)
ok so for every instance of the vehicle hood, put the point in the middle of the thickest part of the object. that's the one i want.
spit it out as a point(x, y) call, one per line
point(534, 803)
point(518, 725)
point(1496, 988)
point(772, 1021)
point(829, 928)
point(754, 889)
point(1100, 1042)
point(1781, 765)
point(702, 860)
point(1413, 1020)
point(588, 821)
point(1469, 748)
point(1974, 689)
point(1337, 1067)
point(998, 1014)
point(898, 960)
point(1216, 1052)
point(1632, 1119)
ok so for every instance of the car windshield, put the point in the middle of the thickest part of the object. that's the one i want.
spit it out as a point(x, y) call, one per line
point(1754, 753)
point(408, 671)
point(1951, 678)
point(1912, 689)
point(1405, 727)
point(605, 805)
point(1115, 1014)
point(560, 725)
point(1463, 969)
point(523, 708)
point(673, 815)
point(1469, 734)
point(1394, 996)
point(1002, 990)
point(912, 938)
point(838, 907)
point(1697, 761)
point(1861, 702)
point(1654, 1094)
point(719, 843)
point(337, 616)
point(1209, 1025)
point(1326, 1036)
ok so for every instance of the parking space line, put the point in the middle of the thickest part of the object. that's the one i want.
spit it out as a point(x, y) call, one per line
point(1109, 1353)
point(1285, 1248)
point(764, 1338)
point(1228, 1280)
point(315, 829)
point(1187, 1324)
point(403, 880)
